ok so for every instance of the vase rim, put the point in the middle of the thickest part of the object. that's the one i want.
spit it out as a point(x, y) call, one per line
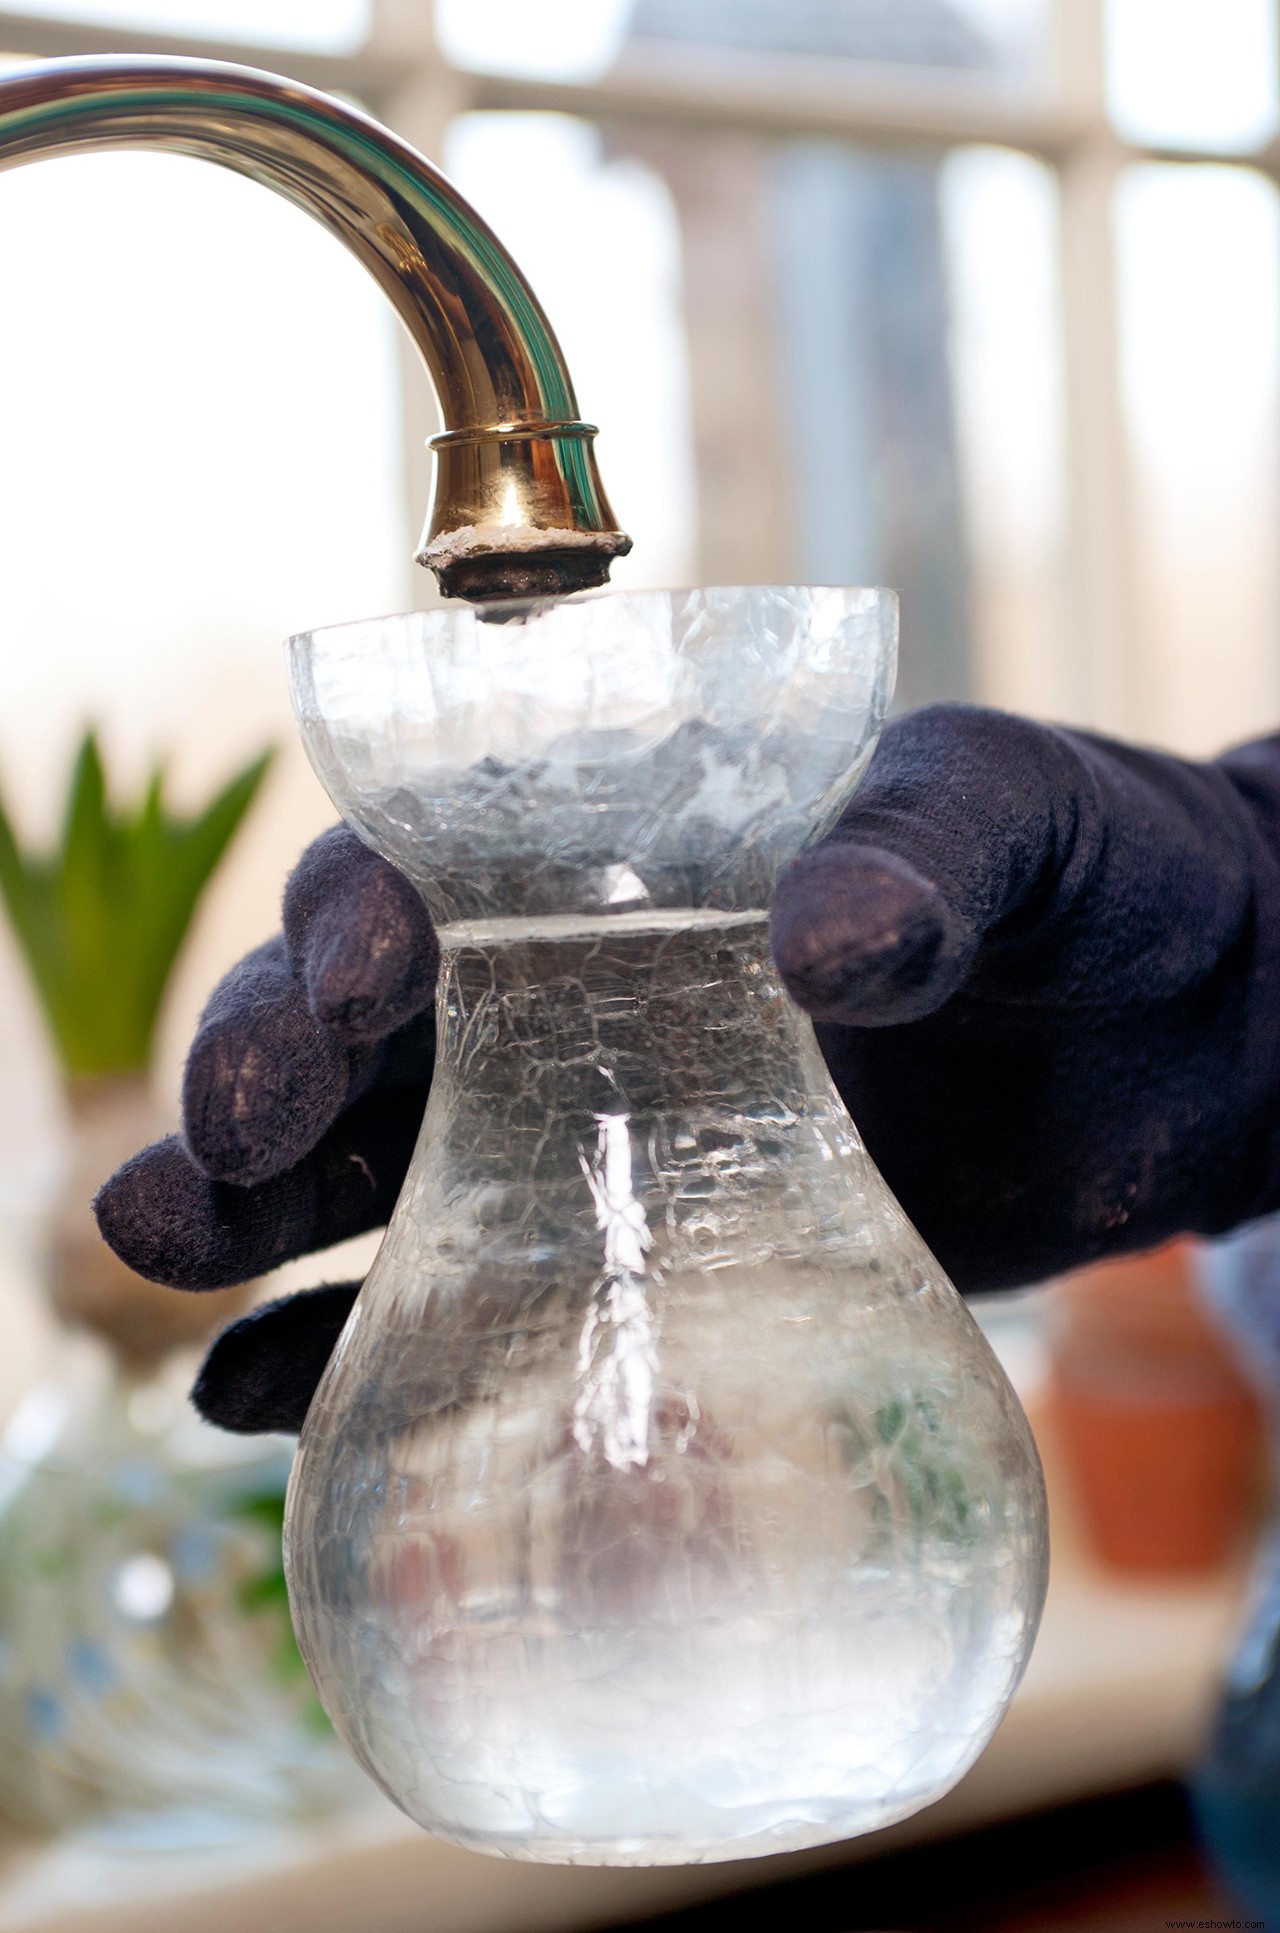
point(438, 615)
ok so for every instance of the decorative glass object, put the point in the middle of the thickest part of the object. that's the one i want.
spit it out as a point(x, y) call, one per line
point(150, 1690)
point(1235, 1786)
point(661, 1502)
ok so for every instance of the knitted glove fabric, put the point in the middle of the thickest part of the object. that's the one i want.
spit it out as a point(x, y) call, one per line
point(1044, 970)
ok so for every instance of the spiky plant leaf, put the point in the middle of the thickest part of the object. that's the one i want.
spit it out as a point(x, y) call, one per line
point(101, 919)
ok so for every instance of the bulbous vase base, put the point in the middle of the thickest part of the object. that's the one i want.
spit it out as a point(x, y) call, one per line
point(663, 1501)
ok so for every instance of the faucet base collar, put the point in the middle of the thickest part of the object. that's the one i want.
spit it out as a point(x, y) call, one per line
point(519, 562)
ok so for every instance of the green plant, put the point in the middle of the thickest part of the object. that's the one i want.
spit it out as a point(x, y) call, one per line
point(911, 1455)
point(101, 919)
point(935, 1489)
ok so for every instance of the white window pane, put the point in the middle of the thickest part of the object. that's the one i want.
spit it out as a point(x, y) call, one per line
point(1014, 29)
point(863, 394)
point(1000, 217)
point(201, 456)
point(598, 241)
point(330, 26)
point(553, 39)
point(1199, 259)
point(1199, 73)
point(580, 38)
point(929, 33)
point(201, 448)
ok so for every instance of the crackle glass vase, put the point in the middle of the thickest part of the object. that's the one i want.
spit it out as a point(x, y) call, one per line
point(662, 1501)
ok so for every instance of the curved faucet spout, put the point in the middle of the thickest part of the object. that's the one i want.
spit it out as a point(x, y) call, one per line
point(519, 509)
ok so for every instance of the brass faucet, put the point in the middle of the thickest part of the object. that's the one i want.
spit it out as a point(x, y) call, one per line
point(519, 510)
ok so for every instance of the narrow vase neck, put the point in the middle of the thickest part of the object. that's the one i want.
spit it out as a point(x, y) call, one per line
point(547, 1031)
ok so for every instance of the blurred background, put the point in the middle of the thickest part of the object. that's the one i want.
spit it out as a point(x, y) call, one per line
point(977, 298)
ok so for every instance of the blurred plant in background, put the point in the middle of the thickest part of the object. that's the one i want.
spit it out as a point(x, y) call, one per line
point(148, 1676)
point(100, 922)
point(102, 918)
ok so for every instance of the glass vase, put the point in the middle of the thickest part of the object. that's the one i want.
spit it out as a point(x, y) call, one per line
point(150, 1691)
point(1235, 1784)
point(151, 1694)
point(662, 1501)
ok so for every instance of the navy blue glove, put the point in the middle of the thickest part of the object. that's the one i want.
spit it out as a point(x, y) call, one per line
point(1045, 972)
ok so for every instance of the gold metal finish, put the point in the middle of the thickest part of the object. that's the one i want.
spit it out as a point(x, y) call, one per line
point(519, 509)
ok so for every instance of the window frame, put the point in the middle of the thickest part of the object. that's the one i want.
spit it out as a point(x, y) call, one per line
point(1059, 118)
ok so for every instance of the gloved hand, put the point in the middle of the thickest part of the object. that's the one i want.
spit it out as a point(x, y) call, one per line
point(1045, 972)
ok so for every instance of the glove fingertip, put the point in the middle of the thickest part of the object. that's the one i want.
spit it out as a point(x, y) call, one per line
point(169, 1223)
point(261, 1373)
point(861, 939)
point(257, 1094)
point(367, 982)
point(153, 1213)
point(361, 939)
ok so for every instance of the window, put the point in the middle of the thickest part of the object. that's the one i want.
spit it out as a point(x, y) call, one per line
point(331, 26)
point(976, 297)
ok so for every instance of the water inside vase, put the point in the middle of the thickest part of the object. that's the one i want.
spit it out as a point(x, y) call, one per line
point(662, 1502)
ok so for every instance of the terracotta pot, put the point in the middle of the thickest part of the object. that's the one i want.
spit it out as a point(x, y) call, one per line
point(1162, 1436)
point(142, 1323)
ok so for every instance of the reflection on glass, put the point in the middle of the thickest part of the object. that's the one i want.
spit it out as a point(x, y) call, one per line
point(1199, 259)
point(1201, 76)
